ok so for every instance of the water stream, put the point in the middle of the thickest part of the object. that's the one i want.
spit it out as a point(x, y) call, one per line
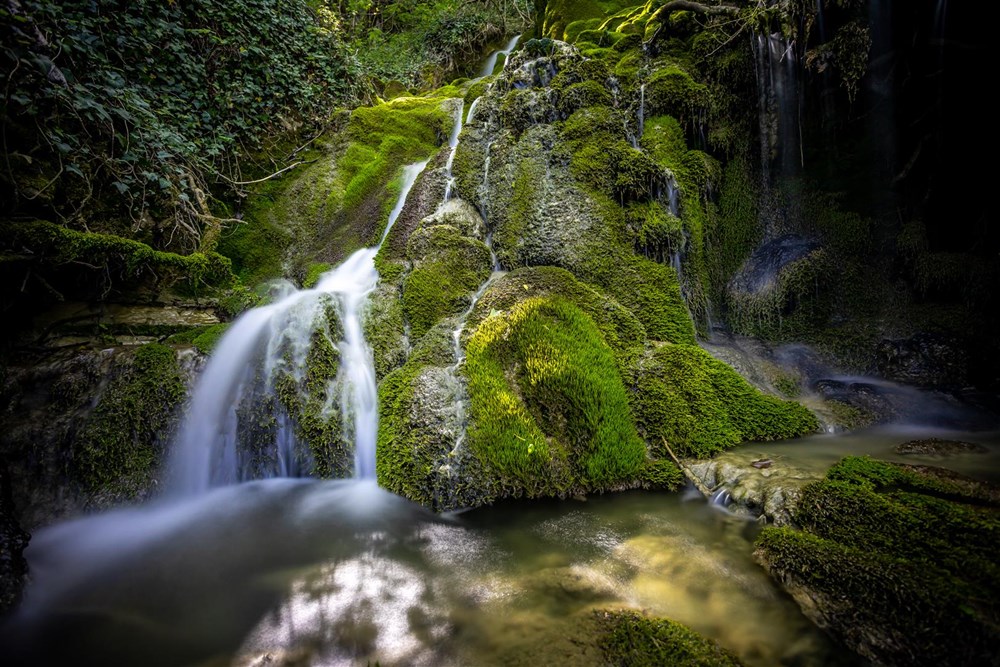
point(491, 61)
point(272, 339)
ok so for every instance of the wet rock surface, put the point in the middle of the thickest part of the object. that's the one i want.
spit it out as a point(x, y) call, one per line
point(753, 486)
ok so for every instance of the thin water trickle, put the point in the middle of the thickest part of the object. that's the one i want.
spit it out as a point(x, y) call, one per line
point(491, 60)
point(453, 148)
point(276, 338)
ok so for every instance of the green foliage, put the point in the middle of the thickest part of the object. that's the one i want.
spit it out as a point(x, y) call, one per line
point(702, 406)
point(548, 409)
point(423, 43)
point(449, 269)
point(147, 104)
point(631, 639)
point(118, 446)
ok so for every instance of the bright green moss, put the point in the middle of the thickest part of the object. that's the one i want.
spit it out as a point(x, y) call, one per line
point(702, 406)
point(209, 338)
point(384, 138)
point(119, 444)
point(620, 329)
point(313, 273)
point(548, 410)
point(655, 231)
point(560, 15)
point(449, 268)
point(631, 639)
point(671, 90)
point(582, 95)
point(585, 123)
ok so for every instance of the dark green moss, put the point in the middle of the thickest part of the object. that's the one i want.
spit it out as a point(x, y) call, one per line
point(898, 561)
point(312, 402)
point(631, 639)
point(889, 609)
point(701, 406)
point(118, 446)
point(53, 245)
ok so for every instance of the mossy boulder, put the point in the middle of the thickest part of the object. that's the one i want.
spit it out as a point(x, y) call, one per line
point(700, 406)
point(895, 562)
point(448, 266)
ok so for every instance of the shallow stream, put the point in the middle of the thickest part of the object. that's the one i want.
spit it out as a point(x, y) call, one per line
point(341, 572)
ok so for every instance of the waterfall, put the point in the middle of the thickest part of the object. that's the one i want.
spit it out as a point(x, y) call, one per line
point(262, 344)
point(472, 110)
point(776, 66)
point(491, 61)
point(453, 148)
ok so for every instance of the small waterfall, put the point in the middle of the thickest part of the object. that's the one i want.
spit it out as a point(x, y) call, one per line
point(453, 146)
point(491, 61)
point(257, 348)
point(615, 88)
point(469, 117)
point(776, 65)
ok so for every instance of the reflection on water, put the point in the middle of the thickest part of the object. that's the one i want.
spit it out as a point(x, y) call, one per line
point(285, 572)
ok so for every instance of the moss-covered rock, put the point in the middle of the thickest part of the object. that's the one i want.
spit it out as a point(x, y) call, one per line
point(119, 445)
point(630, 639)
point(548, 409)
point(700, 406)
point(895, 562)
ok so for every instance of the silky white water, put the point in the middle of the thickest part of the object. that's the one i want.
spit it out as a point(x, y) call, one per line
point(491, 61)
point(274, 339)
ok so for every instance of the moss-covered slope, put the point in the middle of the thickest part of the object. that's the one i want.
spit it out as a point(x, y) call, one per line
point(898, 562)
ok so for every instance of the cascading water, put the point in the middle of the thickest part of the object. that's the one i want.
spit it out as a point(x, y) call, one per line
point(453, 146)
point(776, 65)
point(491, 61)
point(272, 340)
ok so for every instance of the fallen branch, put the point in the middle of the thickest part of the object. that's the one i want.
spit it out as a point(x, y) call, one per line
point(267, 178)
point(698, 484)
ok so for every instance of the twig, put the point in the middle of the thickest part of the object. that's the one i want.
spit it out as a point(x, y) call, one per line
point(267, 178)
point(698, 484)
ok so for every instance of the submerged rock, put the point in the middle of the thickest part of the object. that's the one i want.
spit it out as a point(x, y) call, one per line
point(938, 448)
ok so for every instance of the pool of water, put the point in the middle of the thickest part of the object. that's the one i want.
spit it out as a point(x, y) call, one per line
point(315, 572)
